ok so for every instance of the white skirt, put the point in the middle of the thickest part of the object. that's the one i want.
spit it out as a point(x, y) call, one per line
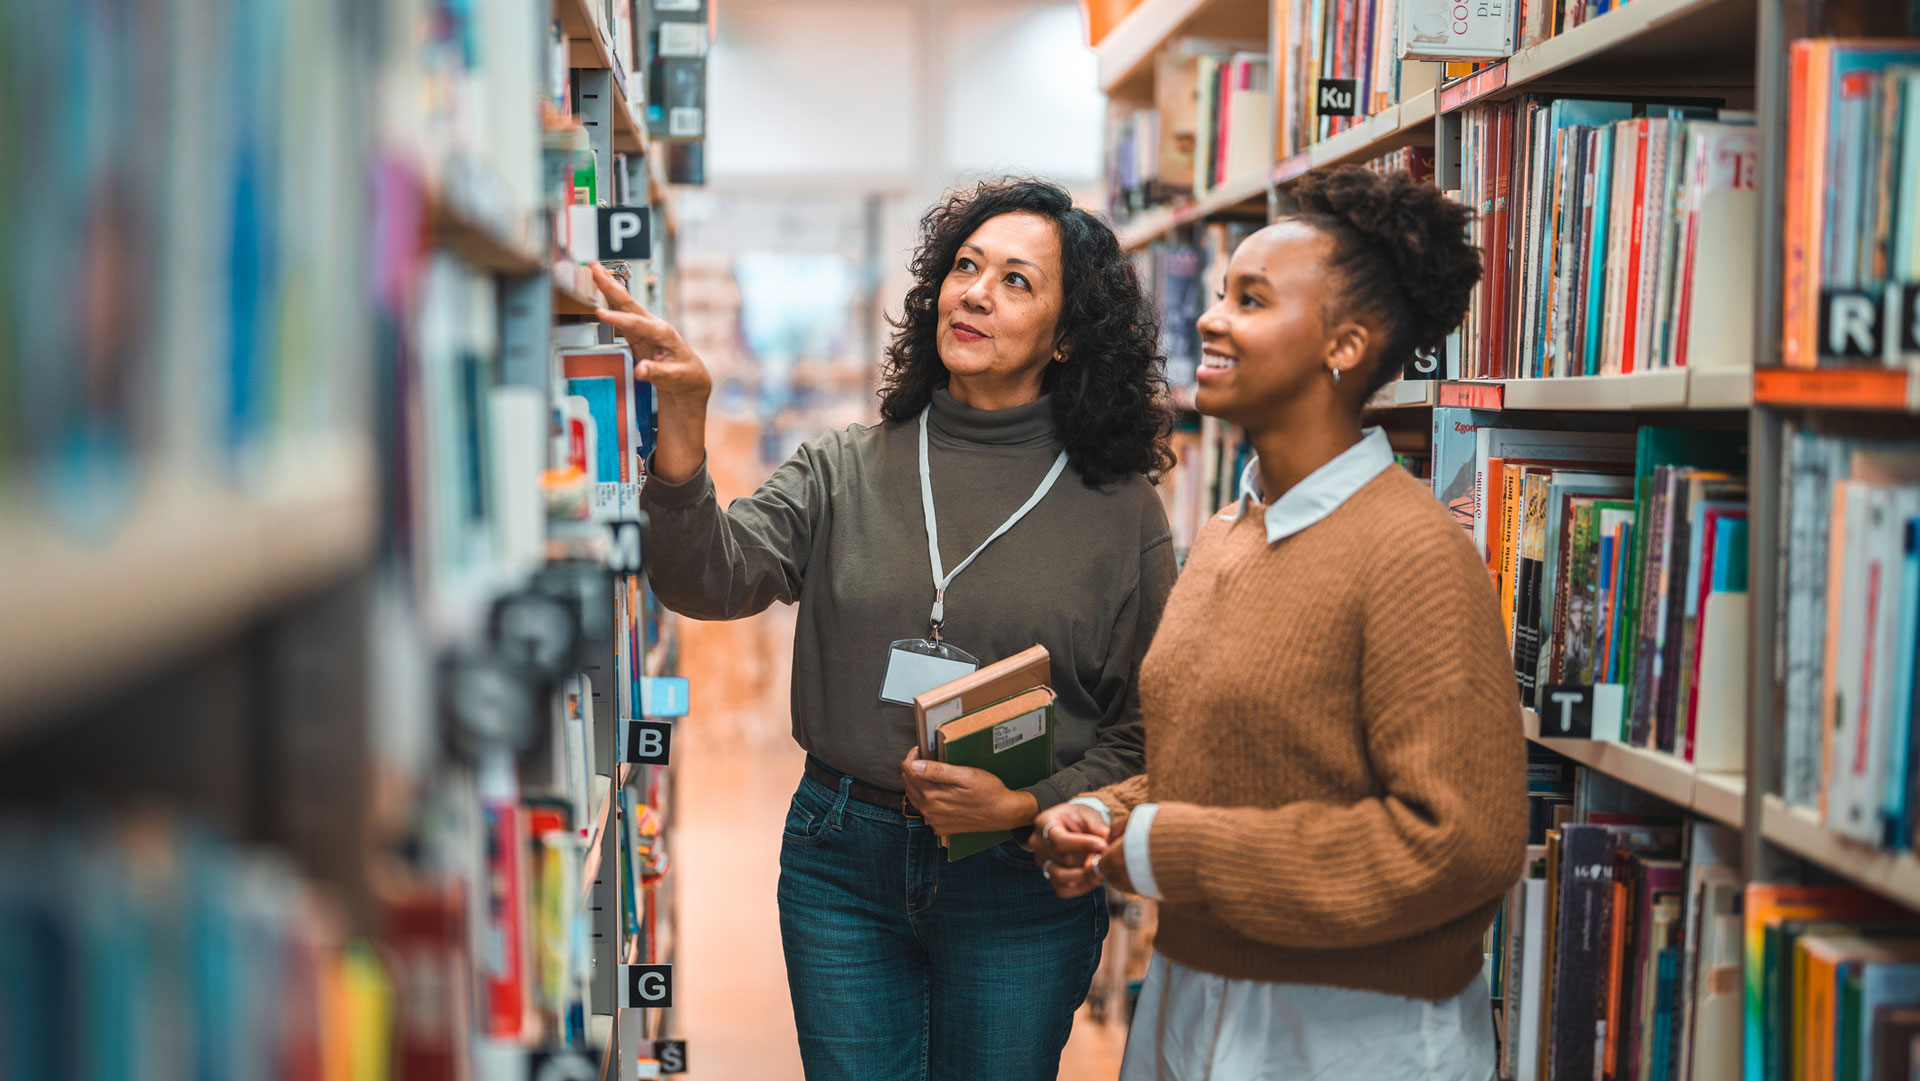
point(1193, 1026)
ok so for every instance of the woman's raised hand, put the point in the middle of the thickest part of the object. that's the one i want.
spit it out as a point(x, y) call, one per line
point(681, 381)
point(661, 356)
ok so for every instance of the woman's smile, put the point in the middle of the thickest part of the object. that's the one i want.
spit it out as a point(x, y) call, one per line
point(967, 332)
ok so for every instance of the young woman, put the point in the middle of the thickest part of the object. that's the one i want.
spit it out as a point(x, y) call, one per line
point(1334, 801)
point(1021, 393)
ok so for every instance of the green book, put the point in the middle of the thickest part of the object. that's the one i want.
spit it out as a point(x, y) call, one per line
point(1011, 739)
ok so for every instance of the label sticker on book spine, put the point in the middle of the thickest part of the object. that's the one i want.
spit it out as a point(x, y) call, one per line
point(1009, 734)
point(684, 122)
point(683, 38)
point(944, 712)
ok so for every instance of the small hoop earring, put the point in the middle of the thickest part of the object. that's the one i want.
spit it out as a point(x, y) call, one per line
point(1336, 375)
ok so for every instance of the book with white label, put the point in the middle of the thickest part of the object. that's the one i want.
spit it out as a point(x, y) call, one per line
point(1011, 739)
point(1001, 680)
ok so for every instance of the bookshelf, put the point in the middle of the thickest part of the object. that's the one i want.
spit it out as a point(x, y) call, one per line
point(1126, 55)
point(1408, 123)
point(588, 48)
point(242, 627)
point(1799, 832)
point(1240, 198)
point(193, 558)
point(1728, 51)
point(1664, 45)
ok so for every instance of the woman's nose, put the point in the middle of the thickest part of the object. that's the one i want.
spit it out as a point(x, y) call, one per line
point(976, 296)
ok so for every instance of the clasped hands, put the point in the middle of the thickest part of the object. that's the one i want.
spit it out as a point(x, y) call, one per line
point(1069, 840)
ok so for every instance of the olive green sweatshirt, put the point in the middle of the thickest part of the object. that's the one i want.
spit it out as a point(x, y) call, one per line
point(839, 530)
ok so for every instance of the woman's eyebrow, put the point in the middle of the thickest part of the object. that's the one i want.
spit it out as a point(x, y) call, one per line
point(1011, 258)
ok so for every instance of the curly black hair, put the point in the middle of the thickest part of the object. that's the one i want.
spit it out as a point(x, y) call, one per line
point(1110, 397)
point(1400, 256)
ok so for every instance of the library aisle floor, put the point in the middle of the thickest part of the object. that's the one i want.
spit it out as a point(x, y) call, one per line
point(737, 765)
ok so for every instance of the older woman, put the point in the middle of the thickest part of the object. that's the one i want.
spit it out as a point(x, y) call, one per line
point(1023, 426)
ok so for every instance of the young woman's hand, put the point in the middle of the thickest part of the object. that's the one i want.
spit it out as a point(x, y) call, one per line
point(961, 799)
point(680, 380)
point(1067, 838)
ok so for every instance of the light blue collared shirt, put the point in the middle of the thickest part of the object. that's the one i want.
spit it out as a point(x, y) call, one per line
point(1323, 490)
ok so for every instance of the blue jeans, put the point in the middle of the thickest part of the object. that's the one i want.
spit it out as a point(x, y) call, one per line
point(905, 967)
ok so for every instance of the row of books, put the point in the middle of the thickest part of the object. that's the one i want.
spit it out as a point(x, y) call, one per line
point(1359, 42)
point(1617, 955)
point(1208, 126)
point(1853, 188)
point(145, 948)
point(183, 289)
point(1415, 161)
point(1182, 279)
point(1832, 985)
point(1209, 457)
point(1849, 632)
point(1619, 237)
point(1620, 562)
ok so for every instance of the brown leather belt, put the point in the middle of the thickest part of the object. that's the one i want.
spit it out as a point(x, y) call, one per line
point(885, 798)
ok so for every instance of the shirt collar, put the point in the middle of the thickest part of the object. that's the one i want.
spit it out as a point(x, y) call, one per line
point(1323, 490)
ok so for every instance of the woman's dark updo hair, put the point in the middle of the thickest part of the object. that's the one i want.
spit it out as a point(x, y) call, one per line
point(1110, 397)
point(1400, 255)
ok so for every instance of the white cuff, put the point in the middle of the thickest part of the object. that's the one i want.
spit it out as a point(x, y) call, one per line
point(1134, 847)
point(1097, 804)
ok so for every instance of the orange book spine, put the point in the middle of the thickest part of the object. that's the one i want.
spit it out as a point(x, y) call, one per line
point(1616, 965)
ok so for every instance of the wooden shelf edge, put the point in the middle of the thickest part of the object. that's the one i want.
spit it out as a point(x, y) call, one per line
point(1893, 874)
point(1718, 796)
point(450, 228)
point(1406, 394)
point(1150, 225)
point(191, 558)
point(1127, 51)
point(1669, 390)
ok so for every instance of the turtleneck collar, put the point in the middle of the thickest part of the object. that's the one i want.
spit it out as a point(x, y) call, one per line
point(1023, 425)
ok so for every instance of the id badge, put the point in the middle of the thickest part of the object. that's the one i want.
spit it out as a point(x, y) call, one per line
point(918, 665)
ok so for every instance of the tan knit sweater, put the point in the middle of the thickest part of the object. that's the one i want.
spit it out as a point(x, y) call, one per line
point(1334, 740)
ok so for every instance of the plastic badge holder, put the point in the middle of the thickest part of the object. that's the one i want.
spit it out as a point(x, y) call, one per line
point(918, 665)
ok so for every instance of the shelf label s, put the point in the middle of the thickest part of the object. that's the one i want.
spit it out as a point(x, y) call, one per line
point(646, 986)
point(671, 1054)
point(648, 743)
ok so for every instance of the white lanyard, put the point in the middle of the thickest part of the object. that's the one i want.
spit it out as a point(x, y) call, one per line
point(941, 577)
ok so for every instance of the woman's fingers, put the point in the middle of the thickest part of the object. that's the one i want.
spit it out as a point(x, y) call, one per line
point(1071, 881)
point(613, 292)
